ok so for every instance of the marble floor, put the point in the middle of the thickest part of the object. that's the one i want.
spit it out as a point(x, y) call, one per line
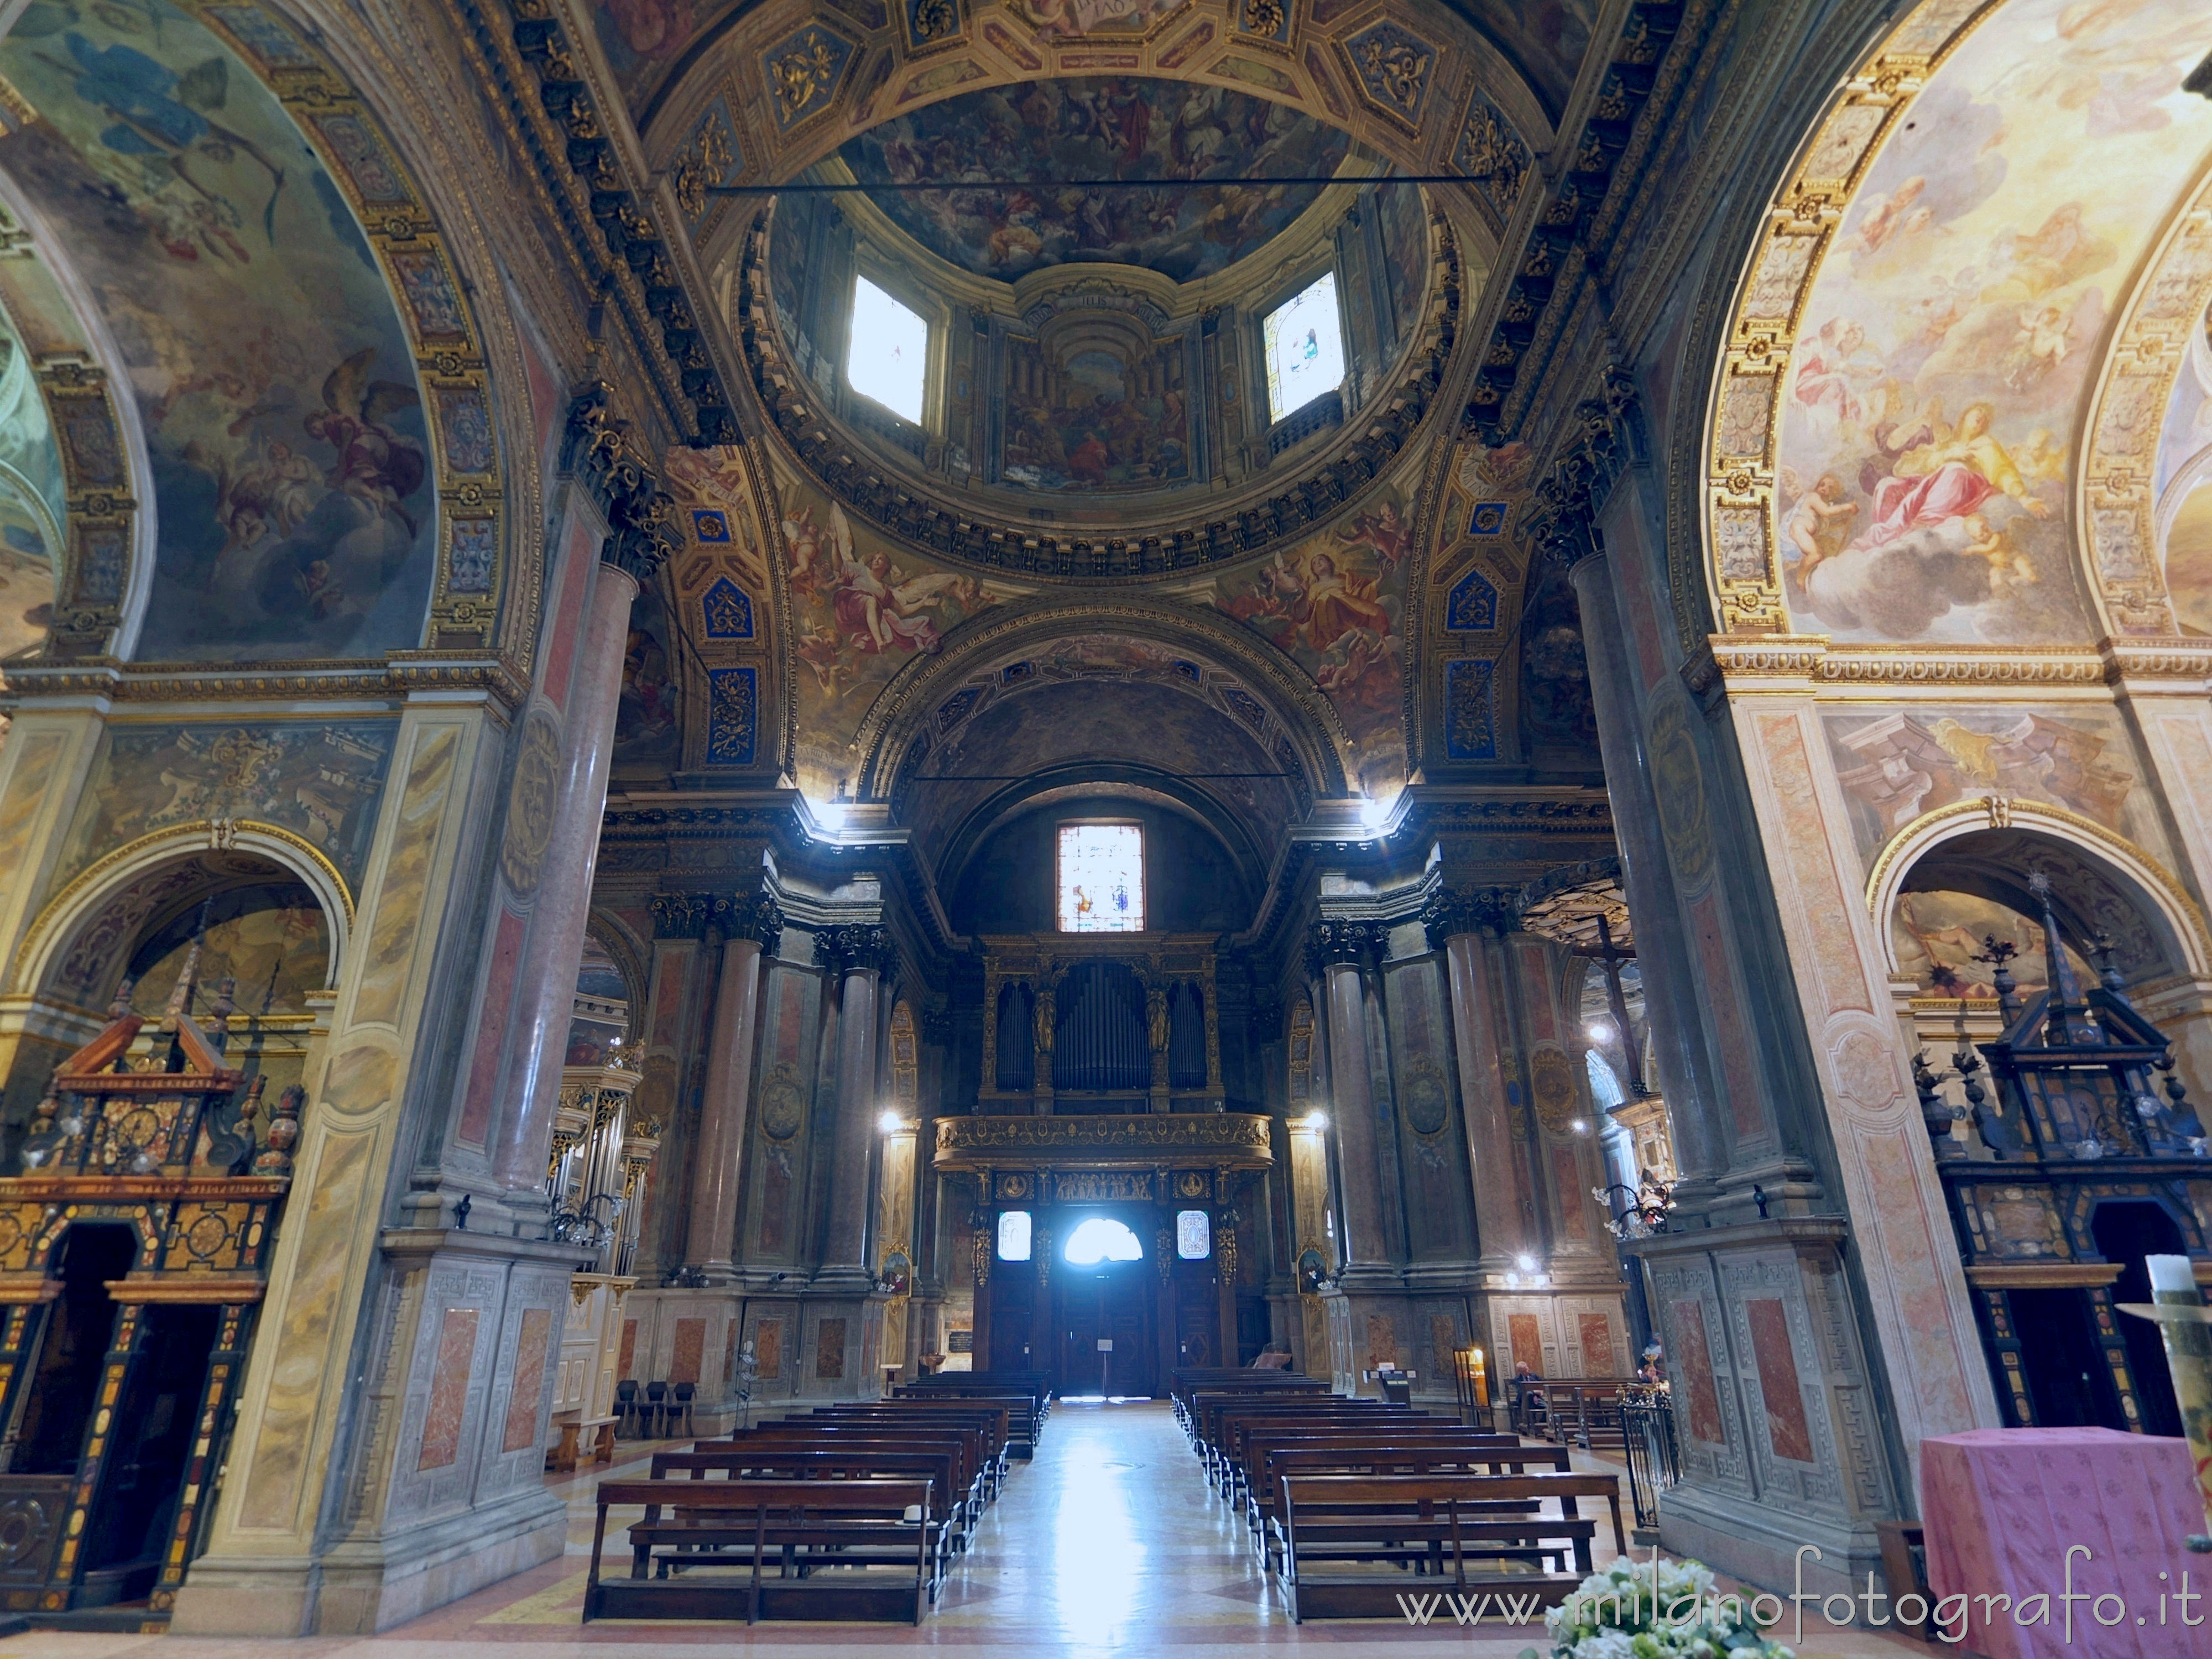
point(1110, 1542)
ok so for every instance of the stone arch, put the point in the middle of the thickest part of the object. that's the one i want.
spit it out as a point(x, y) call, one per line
point(104, 532)
point(130, 886)
point(2177, 926)
point(2102, 883)
point(1295, 709)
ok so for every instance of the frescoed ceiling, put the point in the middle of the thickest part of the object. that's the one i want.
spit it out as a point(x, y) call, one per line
point(1952, 327)
point(1130, 130)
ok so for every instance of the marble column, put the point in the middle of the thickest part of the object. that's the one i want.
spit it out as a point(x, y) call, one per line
point(860, 955)
point(1341, 951)
point(753, 923)
point(1467, 924)
point(1687, 1076)
point(568, 786)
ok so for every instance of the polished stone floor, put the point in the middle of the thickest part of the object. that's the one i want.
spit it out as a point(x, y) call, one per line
point(1110, 1542)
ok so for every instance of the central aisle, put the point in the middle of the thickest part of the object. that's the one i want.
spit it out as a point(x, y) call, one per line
point(1109, 1538)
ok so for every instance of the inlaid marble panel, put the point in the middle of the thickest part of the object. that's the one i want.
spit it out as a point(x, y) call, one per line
point(449, 1389)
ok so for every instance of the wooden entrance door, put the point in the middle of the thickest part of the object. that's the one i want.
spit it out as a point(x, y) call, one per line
point(1111, 1302)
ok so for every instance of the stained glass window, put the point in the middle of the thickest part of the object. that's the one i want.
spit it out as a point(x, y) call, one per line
point(1102, 1238)
point(1194, 1235)
point(888, 350)
point(1305, 349)
point(1013, 1236)
point(1102, 879)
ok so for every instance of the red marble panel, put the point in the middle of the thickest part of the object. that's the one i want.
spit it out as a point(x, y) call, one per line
point(775, 1200)
point(629, 1350)
point(1720, 997)
point(491, 1033)
point(449, 1389)
point(1381, 1341)
point(1567, 1175)
point(1694, 1366)
point(566, 625)
point(830, 1348)
point(1526, 1338)
point(1535, 981)
point(768, 1346)
point(529, 1387)
point(1598, 1357)
point(668, 997)
point(690, 1344)
point(1786, 1429)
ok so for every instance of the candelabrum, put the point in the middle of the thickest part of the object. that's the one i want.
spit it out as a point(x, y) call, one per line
point(1645, 1212)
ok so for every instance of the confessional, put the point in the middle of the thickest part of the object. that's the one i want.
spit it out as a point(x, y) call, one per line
point(134, 1250)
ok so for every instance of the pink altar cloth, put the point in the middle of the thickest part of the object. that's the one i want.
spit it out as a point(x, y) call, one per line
point(2000, 1508)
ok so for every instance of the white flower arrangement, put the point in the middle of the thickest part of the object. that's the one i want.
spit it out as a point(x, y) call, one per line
point(1655, 1609)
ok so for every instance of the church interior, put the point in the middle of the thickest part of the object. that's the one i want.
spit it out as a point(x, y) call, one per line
point(1133, 809)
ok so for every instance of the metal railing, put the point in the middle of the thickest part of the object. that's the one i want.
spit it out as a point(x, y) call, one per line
point(1647, 1423)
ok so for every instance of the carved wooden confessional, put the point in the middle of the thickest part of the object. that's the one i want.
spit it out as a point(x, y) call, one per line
point(134, 1251)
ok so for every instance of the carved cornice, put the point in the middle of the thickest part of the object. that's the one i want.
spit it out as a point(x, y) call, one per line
point(1555, 249)
point(1745, 661)
point(401, 674)
point(611, 225)
point(1606, 440)
point(863, 480)
point(1476, 910)
point(605, 460)
point(1234, 1140)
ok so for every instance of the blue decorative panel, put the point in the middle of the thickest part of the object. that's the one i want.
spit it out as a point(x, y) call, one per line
point(1016, 671)
point(1189, 671)
point(728, 611)
point(732, 713)
point(802, 71)
point(1395, 67)
point(1472, 607)
point(1488, 518)
point(709, 526)
point(1470, 732)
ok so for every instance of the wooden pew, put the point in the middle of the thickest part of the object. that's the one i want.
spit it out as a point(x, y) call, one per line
point(1233, 1425)
point(1210, 1411)
point(1442, 1534)
point(967, 1444)
point(1420, 1459)
point(1024, 1416)
point(800, 1460)
point(989, 1420)
point(1190, 1381)
point(768, 1549)
point(1254, 1485)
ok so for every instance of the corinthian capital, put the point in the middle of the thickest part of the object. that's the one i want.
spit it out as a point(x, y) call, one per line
point(1328, 943)
point(1468, 910)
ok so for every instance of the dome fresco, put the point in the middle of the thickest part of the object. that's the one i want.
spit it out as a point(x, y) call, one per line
point(1122, 128)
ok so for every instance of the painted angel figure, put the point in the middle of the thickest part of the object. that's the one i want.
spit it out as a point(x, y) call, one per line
point(376, 465)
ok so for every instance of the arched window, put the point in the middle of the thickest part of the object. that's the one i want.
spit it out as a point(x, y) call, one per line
point(1102, 1238)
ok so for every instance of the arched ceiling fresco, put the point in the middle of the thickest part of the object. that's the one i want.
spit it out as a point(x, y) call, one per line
point(33, 491)
point(1129, 129)
point(274, 375)
point(1911, 474)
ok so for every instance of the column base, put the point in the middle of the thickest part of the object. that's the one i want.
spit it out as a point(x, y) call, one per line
point(1777, 1417)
